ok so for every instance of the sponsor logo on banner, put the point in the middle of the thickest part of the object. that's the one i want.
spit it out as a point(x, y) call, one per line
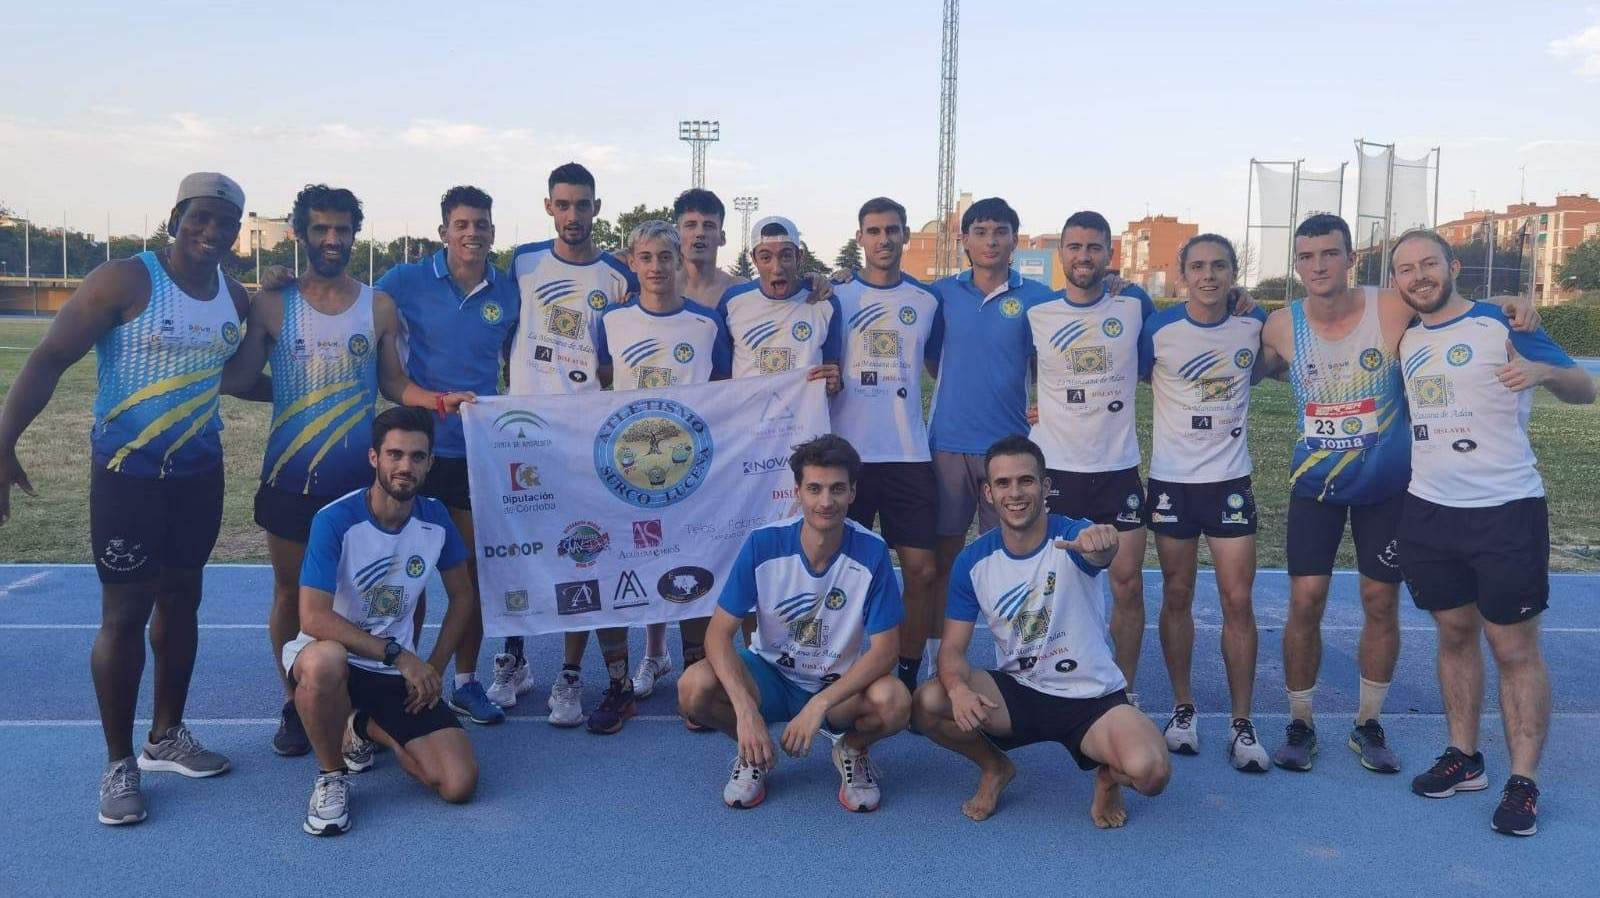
point(652, 453)
point(685, 584)
point(646, 534)
point(765, 465)
point(583, 542)
point(629, 592)
point(578, 597)
point(523, 476)
point(513, 550)
point(516, 601)
point(514, 427)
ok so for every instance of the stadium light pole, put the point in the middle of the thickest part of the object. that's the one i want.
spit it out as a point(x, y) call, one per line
point(698, 133)
point(746, 205)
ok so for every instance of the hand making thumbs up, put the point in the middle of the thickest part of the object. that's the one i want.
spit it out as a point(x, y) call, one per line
point(1097, 543)
point(1518, 373)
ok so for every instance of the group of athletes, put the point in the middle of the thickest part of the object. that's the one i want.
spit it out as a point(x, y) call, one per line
point(1414, 402)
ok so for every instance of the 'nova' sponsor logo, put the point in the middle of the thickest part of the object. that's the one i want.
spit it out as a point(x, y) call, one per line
point(765, 465)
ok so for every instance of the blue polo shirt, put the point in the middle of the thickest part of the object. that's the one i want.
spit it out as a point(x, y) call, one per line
point(450, 340)
point(982, 394)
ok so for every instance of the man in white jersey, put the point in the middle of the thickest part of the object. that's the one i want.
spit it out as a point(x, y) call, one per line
point(163, 325)
point(820, 586)
point(356, 676)
point(1338, 349)
point(1475, 534)
point(1200, 362)
point(891, 328)
point(565, 284)
point(660, 341)
point(1054, 679)
point(331, 342)
point(1086, 340)
point(772, 327)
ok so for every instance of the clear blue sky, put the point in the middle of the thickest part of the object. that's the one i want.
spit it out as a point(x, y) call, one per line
point(1113, 106)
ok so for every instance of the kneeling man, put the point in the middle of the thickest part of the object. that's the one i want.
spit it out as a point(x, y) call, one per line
point(354, 668)
point(819, 585)
point(1054, 679)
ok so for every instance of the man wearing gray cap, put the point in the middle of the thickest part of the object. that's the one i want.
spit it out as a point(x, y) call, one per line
point(163, 324)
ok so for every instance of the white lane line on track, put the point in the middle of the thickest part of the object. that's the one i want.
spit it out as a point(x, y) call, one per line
point(24, 583)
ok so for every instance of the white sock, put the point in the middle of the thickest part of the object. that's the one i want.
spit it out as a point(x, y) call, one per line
point(1370, 706)
point(463, 679)
point(931, 652)
point(1300, 703)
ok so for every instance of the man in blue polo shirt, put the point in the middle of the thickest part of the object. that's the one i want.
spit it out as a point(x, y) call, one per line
point(457, 314)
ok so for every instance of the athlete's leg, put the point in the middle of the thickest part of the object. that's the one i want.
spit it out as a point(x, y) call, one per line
point(472, 636)
point(692, 635)
point(1178, 559)
point(702, 698)
point(1302, 635)
point(442, 760)
point(1461, 673)
point(655, 641)
point(935, 719)
point(174, 640)
point(1235, 561)
point(919, 569)
point(880, 710)
point(573, 644)
point(283, 621)
point(1524, 691)
point(322, 697)
point(1131, 753)
point(1127, 602)
point(1380, 631)
point(618, 703)
point(117, 660)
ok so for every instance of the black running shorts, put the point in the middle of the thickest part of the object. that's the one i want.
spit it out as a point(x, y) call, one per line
point(1186, 510)
point(1105, 497)
point(287, 515)
point(382, 697)
point(139, 525)
point(1316, 528)
point(1040, 717)
point(904, 495)
point(447, 482)
point(1497, 557)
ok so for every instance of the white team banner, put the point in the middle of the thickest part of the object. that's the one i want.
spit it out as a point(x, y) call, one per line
point(608, 509)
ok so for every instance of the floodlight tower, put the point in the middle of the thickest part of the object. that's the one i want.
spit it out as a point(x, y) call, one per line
point(746, 206)
point(945, 257)
point(697, 134)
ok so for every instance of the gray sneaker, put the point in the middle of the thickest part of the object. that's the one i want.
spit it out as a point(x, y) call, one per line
point(329, 811)
point(120, 799)
point(1301, 746)
point(1368, 741)
point(180, 752)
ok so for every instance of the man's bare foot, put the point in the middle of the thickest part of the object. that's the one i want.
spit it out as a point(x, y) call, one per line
point(990, 784)
point(1107, 810)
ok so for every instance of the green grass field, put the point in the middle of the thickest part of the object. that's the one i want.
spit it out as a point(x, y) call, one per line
point(54, 526)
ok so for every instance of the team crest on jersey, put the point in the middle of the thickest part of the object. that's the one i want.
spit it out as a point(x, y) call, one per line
point(801, 330)
point(1244, 358)
point(1235, 501)
point(230, 333)
point(359, 345)
point(1032, 626)
point(1371, 358)
point(1216, 389)
point(773, 359)
point(1459, 355)
point(1111, 327)
point(416, 567)
point(565, 322)
point(1433, 391)
point(883, 344)
point(835, 599)
point(491, 313)
point(653, 453)
point(651, 377)
point(683, 353)
point(908, 316)
point(1089, 359)
point(1011, 307)
point(597, 300)
point(808, 632)
point(384, 600)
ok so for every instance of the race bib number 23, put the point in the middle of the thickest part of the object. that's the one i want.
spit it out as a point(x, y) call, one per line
point(1342, 426)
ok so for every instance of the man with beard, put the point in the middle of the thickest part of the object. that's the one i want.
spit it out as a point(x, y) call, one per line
point(1086, 339)
point(163, 325)
point(565, 284)
point(1339, 349)
point(356, 675)
point(330, 341)
point(1054, 678)
point(1475, 533)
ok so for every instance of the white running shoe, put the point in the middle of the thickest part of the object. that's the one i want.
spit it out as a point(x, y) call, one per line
point(510, 680)
point(650, 670)
point(358, 752)
point(1244, 751)
point(747, 785)
point(858, 778)
point(1183, 734)
point(566, 700)
point(329, 812)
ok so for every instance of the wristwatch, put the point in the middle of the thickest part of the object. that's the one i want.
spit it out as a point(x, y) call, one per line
point(391, 652)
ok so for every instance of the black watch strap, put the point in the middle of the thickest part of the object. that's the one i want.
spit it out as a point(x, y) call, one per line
point(391, 652)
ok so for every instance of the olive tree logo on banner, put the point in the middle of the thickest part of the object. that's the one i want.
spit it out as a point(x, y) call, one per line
point(652, 453)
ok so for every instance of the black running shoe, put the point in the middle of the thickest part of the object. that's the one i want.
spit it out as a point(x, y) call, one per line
point(1518, 813)
point(290, 740)
point(1454, 771)
point(1299, 748)
point(1368, 741)
point(615, 708)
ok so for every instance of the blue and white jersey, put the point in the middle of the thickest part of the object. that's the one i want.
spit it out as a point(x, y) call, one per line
point(159, 376)
point(1045, 609)
point(561, 305)
point(1200, 377)
point(982, 392)
point(813, 624)
point(648, 350)
point(451, 340)
point(1469, 445)
point(373, 574)
point(888, 333)
point(1088, 375)
point(1355, 445)
point(770, 336)
point(324, 392)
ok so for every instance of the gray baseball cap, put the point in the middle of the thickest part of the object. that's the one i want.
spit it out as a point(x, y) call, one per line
point(790, 233)
point(210, 183)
